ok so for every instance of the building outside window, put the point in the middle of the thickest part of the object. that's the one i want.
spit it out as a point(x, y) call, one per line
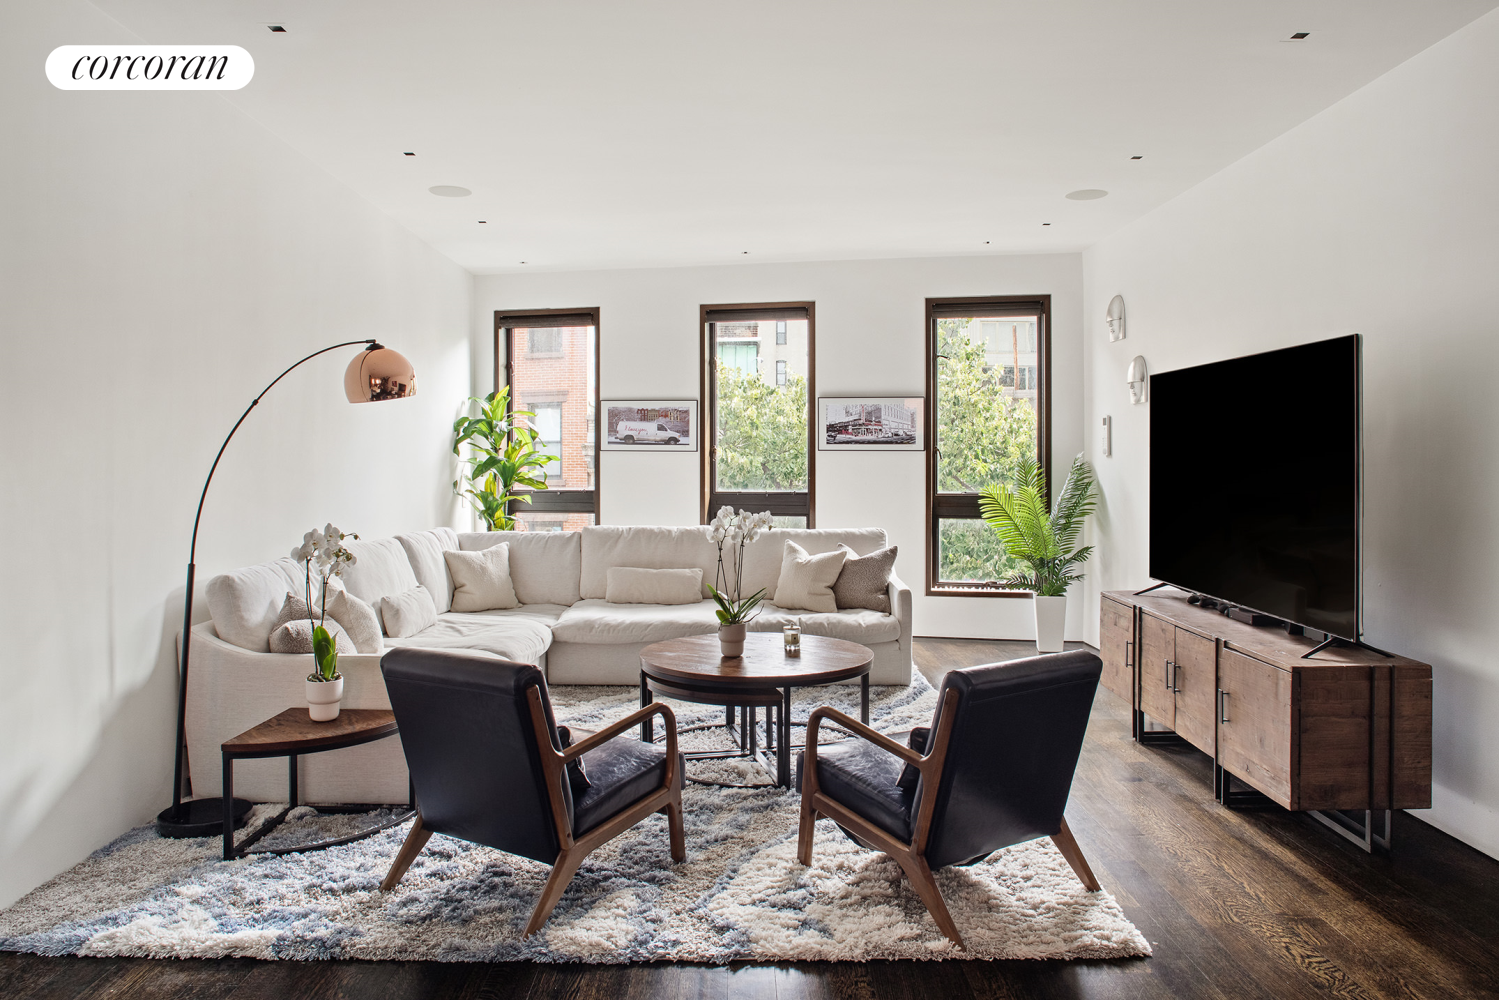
point(550, 361)
point(758, 414)
point(987, 384)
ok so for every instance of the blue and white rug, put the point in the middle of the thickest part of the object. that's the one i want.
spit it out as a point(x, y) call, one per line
point(741, 895)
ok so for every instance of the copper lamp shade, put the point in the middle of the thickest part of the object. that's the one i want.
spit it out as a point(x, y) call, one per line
point(378, 373)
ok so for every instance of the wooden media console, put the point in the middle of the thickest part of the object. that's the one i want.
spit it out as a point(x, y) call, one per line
point(1346, 731)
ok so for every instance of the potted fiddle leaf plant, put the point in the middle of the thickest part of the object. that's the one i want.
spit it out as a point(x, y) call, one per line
point(503, 453)
point(322, 552)
point(1045, 541)
point(735, 611)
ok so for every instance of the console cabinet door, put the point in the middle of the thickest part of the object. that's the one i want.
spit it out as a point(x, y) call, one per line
point(1157, 651)
point(1115, 645)
point(1255, 729)
point(1195, 680)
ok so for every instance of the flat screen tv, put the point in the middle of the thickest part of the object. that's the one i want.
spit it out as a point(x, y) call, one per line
point(1255, 483)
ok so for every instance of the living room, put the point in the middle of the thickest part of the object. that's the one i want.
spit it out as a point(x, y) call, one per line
point(168, 253)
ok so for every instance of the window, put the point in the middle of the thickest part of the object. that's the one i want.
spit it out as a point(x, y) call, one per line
point(546, 340)
point(549, 359)
point(548, 424)
point(987, 380)
point(758, 416)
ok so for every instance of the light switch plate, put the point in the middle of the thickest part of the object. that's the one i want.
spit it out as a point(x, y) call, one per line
point(1108, 436)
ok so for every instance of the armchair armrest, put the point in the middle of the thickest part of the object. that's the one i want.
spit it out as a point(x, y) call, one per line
point(814, 723)
point(669, 719)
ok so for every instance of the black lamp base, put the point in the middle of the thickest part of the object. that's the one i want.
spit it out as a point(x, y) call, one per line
point(199, 818)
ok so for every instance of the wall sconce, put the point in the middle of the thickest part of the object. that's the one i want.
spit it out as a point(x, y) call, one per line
point(1116, 318)
point(1138, 379)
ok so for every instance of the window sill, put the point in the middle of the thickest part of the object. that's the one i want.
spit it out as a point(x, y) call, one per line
point(977, 590)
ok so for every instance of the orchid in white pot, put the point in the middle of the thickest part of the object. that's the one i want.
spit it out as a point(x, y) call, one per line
point(323, 552)
point(735, 611)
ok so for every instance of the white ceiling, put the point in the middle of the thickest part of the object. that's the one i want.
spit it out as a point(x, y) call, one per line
point(661, 132)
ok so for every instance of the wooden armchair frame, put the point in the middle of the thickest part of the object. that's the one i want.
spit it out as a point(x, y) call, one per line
point(666, 799)
point(910, 856)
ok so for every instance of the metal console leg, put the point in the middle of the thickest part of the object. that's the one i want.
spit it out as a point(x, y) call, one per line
point(228, 792)
point(1351, 830)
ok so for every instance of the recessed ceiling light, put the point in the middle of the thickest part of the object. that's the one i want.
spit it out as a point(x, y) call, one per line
point(452, 191)
point(1132, 157)
point(746, 251)
point(409, 154)
point(1300, 35)
point(1087, 194)
point(986, 243)
point(483, 222)
point(1045, 223)
point(281, 29)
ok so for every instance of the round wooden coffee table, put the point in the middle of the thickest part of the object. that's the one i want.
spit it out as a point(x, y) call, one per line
point(693, 669)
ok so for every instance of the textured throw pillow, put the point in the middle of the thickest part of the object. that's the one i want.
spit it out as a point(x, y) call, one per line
point(292, 632)
point(864, 581)
point(358, 620)
point(577, 775)
point(481, 580)
point(909, 776)
point(407, 614)
point(806, 581)
point(631, 585)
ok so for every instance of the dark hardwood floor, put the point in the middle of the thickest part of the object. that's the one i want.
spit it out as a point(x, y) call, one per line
point(1254, 903)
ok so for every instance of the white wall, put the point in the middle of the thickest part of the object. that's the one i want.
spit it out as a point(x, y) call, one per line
point(163, 257)
point(1379, 216)
point(870, 341)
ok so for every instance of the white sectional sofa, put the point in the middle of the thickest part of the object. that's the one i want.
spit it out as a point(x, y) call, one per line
point(563, 625)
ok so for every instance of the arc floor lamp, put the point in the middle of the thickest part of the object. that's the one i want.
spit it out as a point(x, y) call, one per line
point(376, 374)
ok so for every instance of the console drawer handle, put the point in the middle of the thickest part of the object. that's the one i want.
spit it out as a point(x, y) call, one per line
point(1222, 705)
point(1170, 678)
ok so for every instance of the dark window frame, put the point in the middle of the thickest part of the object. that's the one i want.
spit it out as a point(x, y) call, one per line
point(944, 506)
point(780, 504)
point(562, 501)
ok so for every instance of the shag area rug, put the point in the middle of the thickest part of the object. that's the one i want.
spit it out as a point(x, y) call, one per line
point(741, 895)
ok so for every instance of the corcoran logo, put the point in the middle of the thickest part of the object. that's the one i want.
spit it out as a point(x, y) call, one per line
point(149, 67)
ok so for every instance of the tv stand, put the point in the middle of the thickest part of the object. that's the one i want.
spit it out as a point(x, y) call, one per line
point(1341, 732)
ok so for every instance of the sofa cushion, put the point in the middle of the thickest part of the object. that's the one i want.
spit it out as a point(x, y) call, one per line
point(295, 636)
point(544, 565)
point(358, 619)
point(424, 551)
point(855, 624)
point(481, 580)
point(521, 635)
point(245, 602)
point(633, 585)
point(646, 547)
point(806, 581)
point(407, 614)
point(864, 581)
point(380, 569)
point(599, 622)
point(762, 557)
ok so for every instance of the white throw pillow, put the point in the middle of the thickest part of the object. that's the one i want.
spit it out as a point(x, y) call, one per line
point(407, 614)
point(358, 619)
point(806, 581)
point(633, 585)
point(481, 580)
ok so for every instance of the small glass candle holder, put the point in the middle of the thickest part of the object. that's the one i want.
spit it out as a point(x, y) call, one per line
point(792, 636)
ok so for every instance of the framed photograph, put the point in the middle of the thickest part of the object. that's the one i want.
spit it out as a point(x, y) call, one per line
point(649, 425)
point(871, 423)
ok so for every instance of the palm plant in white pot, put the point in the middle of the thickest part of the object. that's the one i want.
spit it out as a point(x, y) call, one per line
point(1045, 541)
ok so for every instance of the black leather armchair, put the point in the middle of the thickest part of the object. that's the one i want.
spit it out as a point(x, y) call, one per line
point(489, 767)
point(994, 770)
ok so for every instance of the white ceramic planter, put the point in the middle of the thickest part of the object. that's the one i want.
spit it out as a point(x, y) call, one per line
point(323, 698)
point(1051, 623)
point(731, 639)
